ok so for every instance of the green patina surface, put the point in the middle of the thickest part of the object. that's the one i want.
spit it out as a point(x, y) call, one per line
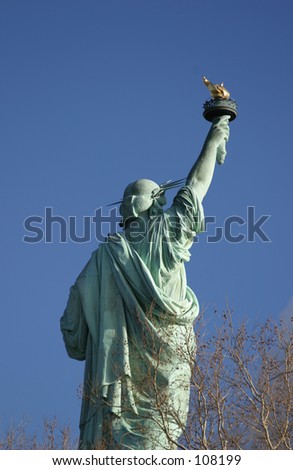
point(130, 315)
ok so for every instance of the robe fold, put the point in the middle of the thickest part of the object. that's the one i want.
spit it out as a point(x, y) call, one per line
point(130, 316)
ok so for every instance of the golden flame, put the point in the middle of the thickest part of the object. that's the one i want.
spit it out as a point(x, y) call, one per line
point(217, 91)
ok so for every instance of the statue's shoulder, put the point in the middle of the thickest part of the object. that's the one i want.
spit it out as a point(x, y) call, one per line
point(113, 238)
point(114, 242)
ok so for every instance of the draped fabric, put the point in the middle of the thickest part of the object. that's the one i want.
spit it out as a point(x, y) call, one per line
point(130, 316)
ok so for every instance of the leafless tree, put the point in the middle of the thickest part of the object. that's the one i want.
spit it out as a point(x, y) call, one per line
point(240, 396)
point(242, 386)
point(52, 436)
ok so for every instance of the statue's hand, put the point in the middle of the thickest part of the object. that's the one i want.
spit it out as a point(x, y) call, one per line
point(219, 135)
point(219, 132)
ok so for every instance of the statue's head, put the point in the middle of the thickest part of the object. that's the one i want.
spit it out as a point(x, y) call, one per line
point(139, 197)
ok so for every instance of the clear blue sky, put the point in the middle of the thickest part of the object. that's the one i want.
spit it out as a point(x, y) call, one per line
point(98, 93)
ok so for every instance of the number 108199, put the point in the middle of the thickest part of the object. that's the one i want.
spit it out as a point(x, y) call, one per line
point(206, 459)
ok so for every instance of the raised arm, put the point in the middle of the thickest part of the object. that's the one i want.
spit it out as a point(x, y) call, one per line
point(201, 174)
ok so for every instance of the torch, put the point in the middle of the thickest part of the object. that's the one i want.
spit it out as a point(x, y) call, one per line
point(219, 105)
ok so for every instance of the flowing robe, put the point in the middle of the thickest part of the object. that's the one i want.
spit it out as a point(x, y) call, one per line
point(130, 316)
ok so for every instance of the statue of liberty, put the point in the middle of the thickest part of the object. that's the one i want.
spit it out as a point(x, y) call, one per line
point(130, 313)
